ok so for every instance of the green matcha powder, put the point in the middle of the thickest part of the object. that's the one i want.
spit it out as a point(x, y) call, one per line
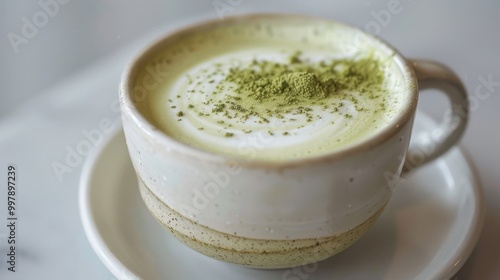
point(266, 89)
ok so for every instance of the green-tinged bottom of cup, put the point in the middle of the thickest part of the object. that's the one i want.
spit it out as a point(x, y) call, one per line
point(257, 253)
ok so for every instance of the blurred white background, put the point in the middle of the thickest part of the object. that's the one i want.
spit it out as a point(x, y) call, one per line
point(76, 35)
point(83, 32)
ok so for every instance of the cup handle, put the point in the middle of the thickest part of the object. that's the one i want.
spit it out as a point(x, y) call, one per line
point(433, 75)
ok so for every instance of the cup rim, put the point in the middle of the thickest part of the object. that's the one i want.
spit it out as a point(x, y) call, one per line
point(129, 108)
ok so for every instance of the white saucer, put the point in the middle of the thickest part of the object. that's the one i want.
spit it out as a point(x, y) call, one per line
point(427, 231)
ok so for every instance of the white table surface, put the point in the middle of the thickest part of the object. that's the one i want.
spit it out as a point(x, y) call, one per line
point(64, 80)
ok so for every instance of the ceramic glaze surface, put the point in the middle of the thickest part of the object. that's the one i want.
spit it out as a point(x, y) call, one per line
point(308, 201)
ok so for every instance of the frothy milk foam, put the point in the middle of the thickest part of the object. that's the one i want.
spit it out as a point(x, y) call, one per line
point(185, 81)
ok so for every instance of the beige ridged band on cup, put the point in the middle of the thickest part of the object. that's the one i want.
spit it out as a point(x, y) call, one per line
point(249, 252)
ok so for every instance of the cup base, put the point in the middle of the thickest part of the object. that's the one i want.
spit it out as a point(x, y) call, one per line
point(255, 253)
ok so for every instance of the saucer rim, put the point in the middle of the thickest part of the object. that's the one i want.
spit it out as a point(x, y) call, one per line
point(107, 257)
point(472, 236)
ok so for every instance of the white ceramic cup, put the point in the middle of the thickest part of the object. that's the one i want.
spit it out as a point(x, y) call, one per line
point(289, 213)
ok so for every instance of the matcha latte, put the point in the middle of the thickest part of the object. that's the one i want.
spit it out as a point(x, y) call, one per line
point(267, 140)
point(271, 91)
